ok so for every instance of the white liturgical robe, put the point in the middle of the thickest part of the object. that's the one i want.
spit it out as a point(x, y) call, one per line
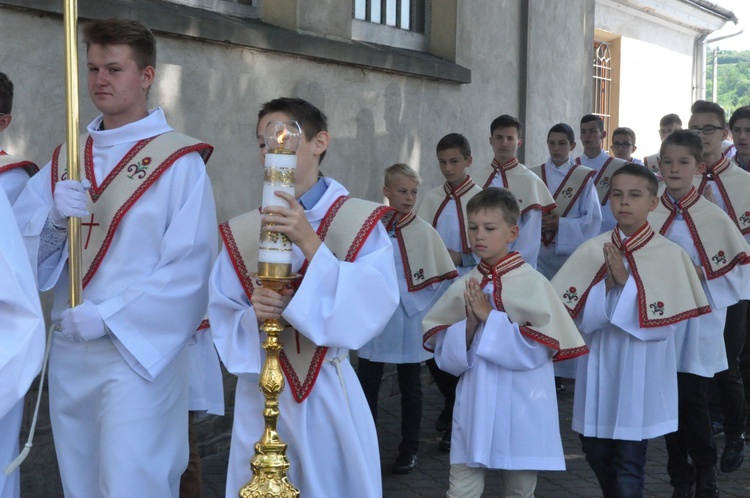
point(21, 341)
point(332, 444)
point(151, 292)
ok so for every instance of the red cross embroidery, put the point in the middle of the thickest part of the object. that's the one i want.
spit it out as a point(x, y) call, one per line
point(91, 225)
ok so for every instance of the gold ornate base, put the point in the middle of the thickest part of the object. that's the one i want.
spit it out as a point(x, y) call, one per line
point(270, 464)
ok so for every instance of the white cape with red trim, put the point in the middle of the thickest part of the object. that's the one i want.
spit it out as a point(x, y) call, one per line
point(528, 190)
point(733, 183)
point(661, 301)
point(567, 193)
point(344, 229)
point(434, 201)
point(425, 258)
point(540, 318)
point(8, 162)
point(717, 240)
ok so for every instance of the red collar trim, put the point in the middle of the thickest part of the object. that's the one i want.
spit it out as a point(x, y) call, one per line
point(459, 191)
point(405, 220)
point(683, 204)
point(505, 166)
point(635, 241)
point(717, 168)
point(510, 262)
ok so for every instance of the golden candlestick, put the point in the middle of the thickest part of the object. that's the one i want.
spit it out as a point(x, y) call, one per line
point(70, 19)
point(270, 464)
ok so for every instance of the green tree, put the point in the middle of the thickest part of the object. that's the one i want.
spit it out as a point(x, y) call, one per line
point(733, 78)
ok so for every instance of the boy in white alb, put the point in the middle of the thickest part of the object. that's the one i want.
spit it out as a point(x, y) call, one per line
point(532, 195)
point(626, 387)
point(726, 185)
point(577, 215)
point(596, 158)
point(118, 381)
point(502, 344)
point(21, 343)
point(347, 293)
point(14, 171)
point(424, 270)
point(667, 124)
point(445, 208)
point(720, 255)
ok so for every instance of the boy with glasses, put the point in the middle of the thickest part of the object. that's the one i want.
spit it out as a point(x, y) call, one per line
point(726, 185)
point(623, 145)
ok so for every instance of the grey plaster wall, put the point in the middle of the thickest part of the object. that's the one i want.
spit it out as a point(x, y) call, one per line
point(212, 91)
point(560, 38)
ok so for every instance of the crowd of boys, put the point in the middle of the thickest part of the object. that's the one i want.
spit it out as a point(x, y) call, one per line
point(442, 278)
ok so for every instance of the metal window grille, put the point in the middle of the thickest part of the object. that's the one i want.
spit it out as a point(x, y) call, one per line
point(408, 15)
point(602, 97)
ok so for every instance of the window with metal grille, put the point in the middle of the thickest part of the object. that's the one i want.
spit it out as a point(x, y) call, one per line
point(403, 14)
point(602, 97)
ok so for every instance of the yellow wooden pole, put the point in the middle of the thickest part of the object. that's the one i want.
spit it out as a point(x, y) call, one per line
point(70, 19)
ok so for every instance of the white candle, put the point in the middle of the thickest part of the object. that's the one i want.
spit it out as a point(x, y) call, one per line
point(276, 248)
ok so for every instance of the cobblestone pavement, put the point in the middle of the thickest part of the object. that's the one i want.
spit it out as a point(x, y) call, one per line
point(430, 479)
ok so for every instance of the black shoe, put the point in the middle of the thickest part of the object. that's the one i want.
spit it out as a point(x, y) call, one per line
point(443, 422)
point(733, 455)
point(405, 463)
point(682, 492)
point(706, 485)
point(445, 443)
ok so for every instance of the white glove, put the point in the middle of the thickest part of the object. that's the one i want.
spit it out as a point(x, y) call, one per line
point(69, 200)
point(82, 323)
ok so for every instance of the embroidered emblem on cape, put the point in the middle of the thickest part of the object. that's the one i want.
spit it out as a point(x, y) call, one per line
point(745, 218)
point(419, 274)
point(719, 258)
point(604, 182)
point(122, 190)
point(139, 169)
point(571, 295)
point(657, 308)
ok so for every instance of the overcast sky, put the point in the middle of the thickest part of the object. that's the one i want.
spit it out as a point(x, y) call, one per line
point(741, 9)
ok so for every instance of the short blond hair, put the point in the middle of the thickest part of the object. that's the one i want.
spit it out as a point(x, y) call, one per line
point(400, 169)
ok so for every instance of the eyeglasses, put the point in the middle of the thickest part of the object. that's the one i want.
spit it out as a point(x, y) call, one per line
point(706, 130)
point(620, 145)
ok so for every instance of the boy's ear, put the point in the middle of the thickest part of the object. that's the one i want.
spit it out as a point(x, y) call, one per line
point(520, 142)
point(634, 148)
point(469, 161)
point(386, 192)
point(5, 120)
point(320, 143)
point(514, 231)
point(653, 202)
point(604, 134)
point(725, 134)
point(572, 146)
point(700, 169)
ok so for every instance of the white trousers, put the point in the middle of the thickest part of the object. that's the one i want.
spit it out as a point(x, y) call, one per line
point(468, 482)
point(10, 426)
point(116, 434)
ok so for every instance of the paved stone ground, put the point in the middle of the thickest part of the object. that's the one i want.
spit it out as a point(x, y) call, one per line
point(430, 479)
